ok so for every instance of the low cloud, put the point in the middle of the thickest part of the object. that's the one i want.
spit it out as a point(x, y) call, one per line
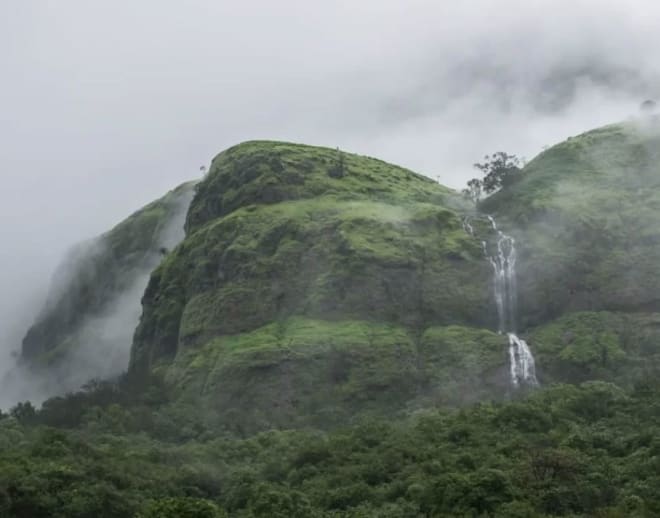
point(102, 341)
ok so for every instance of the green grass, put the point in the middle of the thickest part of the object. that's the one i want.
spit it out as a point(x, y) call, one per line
point(585, 215)
point(262, 172)
point(319, 258)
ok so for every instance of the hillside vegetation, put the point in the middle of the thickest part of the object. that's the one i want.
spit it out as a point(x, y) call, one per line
point(321, 343)
point(315, 284)
point(587, 217)
point(584, 451)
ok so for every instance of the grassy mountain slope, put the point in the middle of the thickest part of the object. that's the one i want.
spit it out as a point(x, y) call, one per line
point(586, 213)
point(314, 284)
point(586, 217)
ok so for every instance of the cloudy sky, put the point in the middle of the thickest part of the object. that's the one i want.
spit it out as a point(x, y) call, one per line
point(105, 105)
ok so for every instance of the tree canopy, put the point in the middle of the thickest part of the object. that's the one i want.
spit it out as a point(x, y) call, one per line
point(499, 169)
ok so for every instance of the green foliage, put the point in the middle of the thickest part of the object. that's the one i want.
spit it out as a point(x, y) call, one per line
point(275, 244)
point(602, 345)
point(318, 346)
point(262, 172)
point(299, 372)
point(588, 450)
point(182, 507)
point(499, 169)
point(585, 218)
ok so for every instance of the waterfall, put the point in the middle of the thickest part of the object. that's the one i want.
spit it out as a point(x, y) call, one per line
point(467, 226)
point(522, 362)
point(503, 261)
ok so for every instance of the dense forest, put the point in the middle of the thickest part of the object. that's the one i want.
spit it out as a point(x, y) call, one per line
point(588, 450)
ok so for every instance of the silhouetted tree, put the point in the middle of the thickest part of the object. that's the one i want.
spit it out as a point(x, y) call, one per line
point(24, 413)
point(473, 190)
point(499, 169)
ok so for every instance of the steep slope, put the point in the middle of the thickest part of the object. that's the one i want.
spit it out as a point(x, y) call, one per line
point(587, 213)
point(586, 217)
point(86, 325)
point(314, 284)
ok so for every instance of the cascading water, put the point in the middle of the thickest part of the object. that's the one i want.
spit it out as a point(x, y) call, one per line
point(506, 298)
point(522, 362)
point(503, 261)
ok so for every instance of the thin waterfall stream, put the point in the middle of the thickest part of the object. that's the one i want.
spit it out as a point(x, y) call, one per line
point(503, 261)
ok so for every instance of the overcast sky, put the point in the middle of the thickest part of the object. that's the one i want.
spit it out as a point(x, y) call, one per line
point(105, 105)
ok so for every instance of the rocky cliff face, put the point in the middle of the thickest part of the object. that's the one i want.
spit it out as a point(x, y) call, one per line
point(86, 326)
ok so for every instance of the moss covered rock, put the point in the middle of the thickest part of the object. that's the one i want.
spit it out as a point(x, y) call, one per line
point(303, 372)
point(306, 296)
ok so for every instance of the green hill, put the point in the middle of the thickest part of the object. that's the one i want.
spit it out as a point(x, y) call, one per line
point(320, 343)
point(315, 284)
point(585, 214)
